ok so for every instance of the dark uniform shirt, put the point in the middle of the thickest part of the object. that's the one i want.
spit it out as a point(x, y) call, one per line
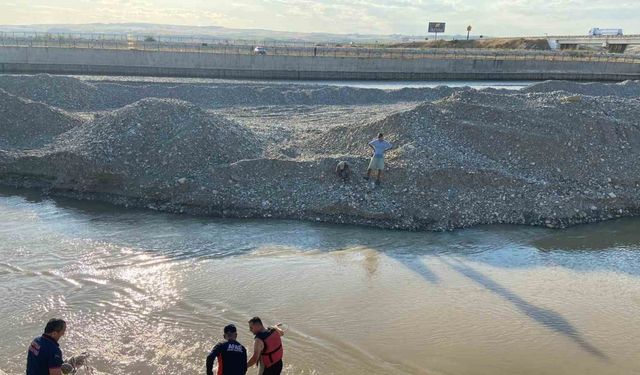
point(231, 356)
point(44, 353)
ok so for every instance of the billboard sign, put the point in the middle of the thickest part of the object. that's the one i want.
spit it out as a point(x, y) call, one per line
point(436, 27)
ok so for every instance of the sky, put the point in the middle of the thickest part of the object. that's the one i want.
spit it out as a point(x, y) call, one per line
point(408, 17)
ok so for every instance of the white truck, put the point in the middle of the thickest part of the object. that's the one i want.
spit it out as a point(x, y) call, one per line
point(605, 32)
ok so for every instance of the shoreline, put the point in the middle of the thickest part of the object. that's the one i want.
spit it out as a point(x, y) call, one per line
point(374, 220)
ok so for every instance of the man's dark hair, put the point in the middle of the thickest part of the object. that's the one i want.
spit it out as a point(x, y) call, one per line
point(255, 320)
point(55, 325)
point(380, 135)
point(230, 329)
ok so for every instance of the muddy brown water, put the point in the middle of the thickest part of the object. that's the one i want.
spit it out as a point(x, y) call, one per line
point(149, 293)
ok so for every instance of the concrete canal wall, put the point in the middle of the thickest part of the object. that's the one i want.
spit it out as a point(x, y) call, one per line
point(500, 66)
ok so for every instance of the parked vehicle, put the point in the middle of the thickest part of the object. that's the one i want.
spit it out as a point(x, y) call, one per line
point(259, 51)
point(605, 32)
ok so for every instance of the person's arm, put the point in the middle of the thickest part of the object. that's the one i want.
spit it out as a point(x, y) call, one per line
point(211, 358)
point(244, 361)
point(257, 349)
point(55, 362)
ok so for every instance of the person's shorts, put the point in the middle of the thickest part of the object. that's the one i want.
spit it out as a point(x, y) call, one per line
point(377, 162)
point(275, 369)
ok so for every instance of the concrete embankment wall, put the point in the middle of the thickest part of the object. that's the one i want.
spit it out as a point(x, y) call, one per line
point(193, 64)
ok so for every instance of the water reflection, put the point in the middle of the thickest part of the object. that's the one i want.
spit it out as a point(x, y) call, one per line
point(371, 262)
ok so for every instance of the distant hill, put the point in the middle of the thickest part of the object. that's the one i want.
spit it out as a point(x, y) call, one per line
point(147, 29)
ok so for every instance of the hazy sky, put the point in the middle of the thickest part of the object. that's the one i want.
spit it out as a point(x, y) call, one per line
point(488, 17)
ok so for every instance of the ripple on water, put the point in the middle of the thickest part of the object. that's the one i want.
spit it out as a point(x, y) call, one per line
point(148, 292)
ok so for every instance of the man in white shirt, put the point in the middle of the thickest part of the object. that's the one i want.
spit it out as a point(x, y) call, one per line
point(379, 147)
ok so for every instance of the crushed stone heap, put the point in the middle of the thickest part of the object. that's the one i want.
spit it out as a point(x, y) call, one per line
point(58, 91)
point(73, 94)
point(153, 143)
point(628, 89)
point(25, 124)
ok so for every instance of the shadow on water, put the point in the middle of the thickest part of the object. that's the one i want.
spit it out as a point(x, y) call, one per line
point(611, 246)
point(545, 317)
point(418, 266)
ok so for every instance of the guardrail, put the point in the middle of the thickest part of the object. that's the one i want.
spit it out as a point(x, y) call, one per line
point(570, 37)
point(220, 46)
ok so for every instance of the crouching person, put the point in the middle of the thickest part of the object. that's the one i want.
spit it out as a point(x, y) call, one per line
point(343, 170)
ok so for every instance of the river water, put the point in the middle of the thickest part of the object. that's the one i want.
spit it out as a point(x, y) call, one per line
point(148, 293)
point(382, 85)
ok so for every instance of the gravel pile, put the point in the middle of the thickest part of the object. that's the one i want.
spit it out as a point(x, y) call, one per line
point(59, 91)
point(72, 94)
point(480, 157)
point(225, 95)
point(25, 124)
point(628, 89)
point(550, 156)
point(157, 143)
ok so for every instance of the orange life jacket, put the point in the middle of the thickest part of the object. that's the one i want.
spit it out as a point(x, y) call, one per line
point(272, 351)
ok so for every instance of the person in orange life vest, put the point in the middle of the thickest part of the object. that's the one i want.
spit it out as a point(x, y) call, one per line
point(267, 347)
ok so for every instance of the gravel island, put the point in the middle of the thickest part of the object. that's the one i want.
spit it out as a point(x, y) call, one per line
point(554, 154)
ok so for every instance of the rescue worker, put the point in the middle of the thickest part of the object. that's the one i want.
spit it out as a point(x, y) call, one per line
point(267, 347)
point(231, 355)
point(44, 356)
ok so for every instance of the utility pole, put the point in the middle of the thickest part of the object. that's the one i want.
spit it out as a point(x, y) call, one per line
point(468, 31)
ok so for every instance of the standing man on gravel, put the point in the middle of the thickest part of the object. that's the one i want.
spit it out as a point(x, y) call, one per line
point(379, 147)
